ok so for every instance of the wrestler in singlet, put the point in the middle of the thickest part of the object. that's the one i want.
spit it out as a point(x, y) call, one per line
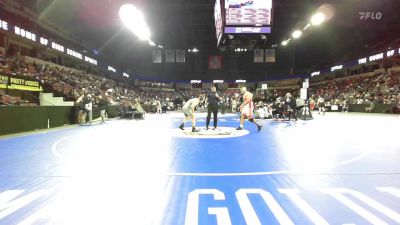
point(248, 106)
point(247, 109)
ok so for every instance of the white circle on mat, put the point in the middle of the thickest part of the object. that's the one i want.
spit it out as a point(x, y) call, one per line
point(220, 132)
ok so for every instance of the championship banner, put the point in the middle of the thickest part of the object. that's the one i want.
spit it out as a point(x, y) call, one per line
point(157, 58)
point(215, 62)
point(258, 55)
point(180, 56)
point(20, 83)
point(169, 56)
point(270, 55)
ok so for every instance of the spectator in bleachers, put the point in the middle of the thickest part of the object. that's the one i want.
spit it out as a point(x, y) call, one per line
point(378, 88)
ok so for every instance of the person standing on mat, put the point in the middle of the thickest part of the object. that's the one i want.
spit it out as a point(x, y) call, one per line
point(102, 104)
point(213, 100)
point(188, 110)
point(246, 109)
point(89, 107)
point(321, 105)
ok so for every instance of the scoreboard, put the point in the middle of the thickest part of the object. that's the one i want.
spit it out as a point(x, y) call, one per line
point(242, 17)
point(247, 16)
point(248, 13)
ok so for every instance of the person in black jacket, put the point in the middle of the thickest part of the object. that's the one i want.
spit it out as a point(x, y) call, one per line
point(82, 112)
point(213, 100)
point(102, 104)
point(290, 104)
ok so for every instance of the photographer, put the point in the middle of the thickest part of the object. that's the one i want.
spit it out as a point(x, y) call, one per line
point(278, 108)
point(291, 107)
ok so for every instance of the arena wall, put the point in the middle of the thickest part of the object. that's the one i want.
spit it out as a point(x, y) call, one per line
point(16, 119)
point(378, 108)
point(28, 118)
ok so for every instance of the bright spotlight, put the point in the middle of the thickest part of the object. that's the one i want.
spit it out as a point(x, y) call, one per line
point(195, 50)
point(317, 19)
point(284, 43)
point(152, 43)
point(296, 34)
point(134, 20)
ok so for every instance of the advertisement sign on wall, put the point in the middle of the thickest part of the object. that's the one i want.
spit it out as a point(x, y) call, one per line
point(20, 83)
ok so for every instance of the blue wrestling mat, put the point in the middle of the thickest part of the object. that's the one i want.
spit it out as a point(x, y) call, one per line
point(335, 169)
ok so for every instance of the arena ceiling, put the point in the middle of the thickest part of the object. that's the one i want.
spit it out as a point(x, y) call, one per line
point(183, 24)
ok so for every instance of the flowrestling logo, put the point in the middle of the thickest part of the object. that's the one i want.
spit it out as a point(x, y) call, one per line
point(371, 15)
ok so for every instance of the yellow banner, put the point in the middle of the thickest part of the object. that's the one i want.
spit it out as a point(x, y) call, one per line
point(24, 88)
point(20, 83)
point(23, 84)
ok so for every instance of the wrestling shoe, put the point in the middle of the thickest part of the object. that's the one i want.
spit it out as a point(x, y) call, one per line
point(194, 130)
point(259, 127)
point(181, 127)
point(239, 128)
